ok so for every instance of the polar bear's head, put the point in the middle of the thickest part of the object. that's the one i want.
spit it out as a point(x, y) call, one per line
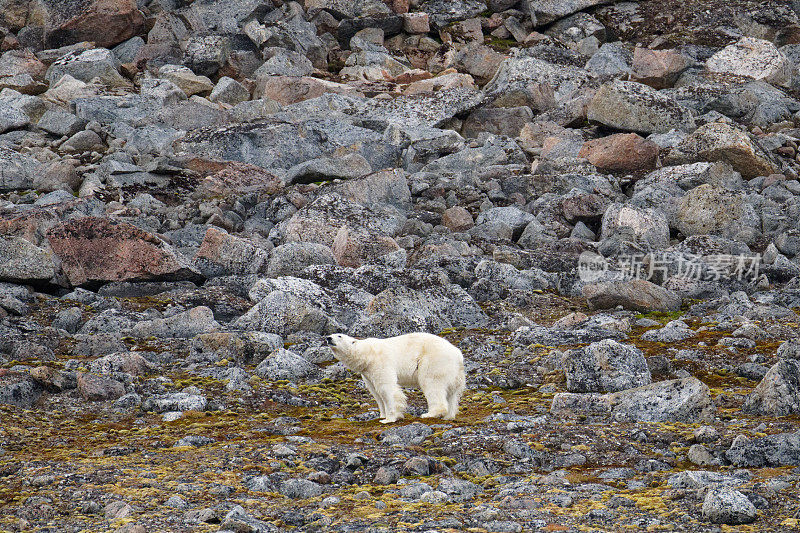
point(340, 344)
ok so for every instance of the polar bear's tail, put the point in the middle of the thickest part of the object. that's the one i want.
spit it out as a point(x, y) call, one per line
point(454, 393)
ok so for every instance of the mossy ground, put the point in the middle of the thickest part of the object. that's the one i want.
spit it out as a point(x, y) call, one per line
point(66, 451)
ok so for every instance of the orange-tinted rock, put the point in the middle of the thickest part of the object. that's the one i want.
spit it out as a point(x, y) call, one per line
point(658, 68)
point(96, 250)
point(457, 218)
point(98, 388)
point(352, 248)
point(621, 151)
point(105, 22)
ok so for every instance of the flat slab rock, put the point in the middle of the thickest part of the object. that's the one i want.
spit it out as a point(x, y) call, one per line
point(686, 399)
point(94, 249)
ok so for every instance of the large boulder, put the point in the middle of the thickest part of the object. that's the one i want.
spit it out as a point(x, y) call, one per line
point(283, 364)
point(606, 366)
point(97, 250)
point(631, 106)
point(646, 226)
point(24, 262)
point(17, 388)
point(680, 400)
point(781, 449)
point(17, 171)
point(725, 505)
point(105, 22)
point(222, 254)
point(635, 294)
point(778, 393)
point(717, 141)
point(753, 58)
point(547, 11)
point(187, 324)
point(621, 152)
point(708, 210)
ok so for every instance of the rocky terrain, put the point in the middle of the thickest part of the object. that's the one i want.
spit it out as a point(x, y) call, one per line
point(597, 202)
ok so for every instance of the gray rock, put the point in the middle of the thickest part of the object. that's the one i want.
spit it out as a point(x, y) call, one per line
point(789, 350)
point(195, 440)
point(685, 399)
point(87, 65)
point(521, 74)
point(707, 210)
point(298, 489)
point(611, 60)
point(19, 389)
point(60, 123)
point(229, 91)
point(753, 58)
point(717, 141)
point(410, 435)
point(221, 254)
point(506, 121)
point(238, 520)
point(205, 54)
point(176, 401)
point(459, 490)
point(636, 294)
point(400, 310)
point(728, 506)
point(329, 168)
point(293, 257)
point(12, 118)
point(632, 106)
point(698, 479)
point(606, 366)
point(546, 11)
point(283, 364)
point(778, 393)
point(443, 12)
point(17, 171)
point(646, 226)
point(127, 51)
point(283, 313)
point(189, 82)
point(780, 449)
point(84, 141)
point(675, 331)
point(186, 324)
point(283, 145)
point(22, 261)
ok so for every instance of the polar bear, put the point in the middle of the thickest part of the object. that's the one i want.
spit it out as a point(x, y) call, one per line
point(412, 360)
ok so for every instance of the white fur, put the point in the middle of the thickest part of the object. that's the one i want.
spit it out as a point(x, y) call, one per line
point(420, 360)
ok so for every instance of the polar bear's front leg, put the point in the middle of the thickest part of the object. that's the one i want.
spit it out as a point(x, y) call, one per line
point(374, 392)
point(394, 401)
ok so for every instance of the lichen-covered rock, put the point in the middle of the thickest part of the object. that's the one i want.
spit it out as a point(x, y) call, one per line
point(17, 388)
point(606, 366)
point(221, 254)
point(99, 388)
point(23, 262)
point(778, 392)
point(753, 58)
point(182, 325)
point(283, 364)
point(728, 506)
point(635, 294)
point(632, 106)
point(97, 250)
point(717, 141)
point(780, 449)
point(685, 399)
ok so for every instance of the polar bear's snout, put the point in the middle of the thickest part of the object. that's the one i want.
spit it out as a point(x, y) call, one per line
point(329, 340)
